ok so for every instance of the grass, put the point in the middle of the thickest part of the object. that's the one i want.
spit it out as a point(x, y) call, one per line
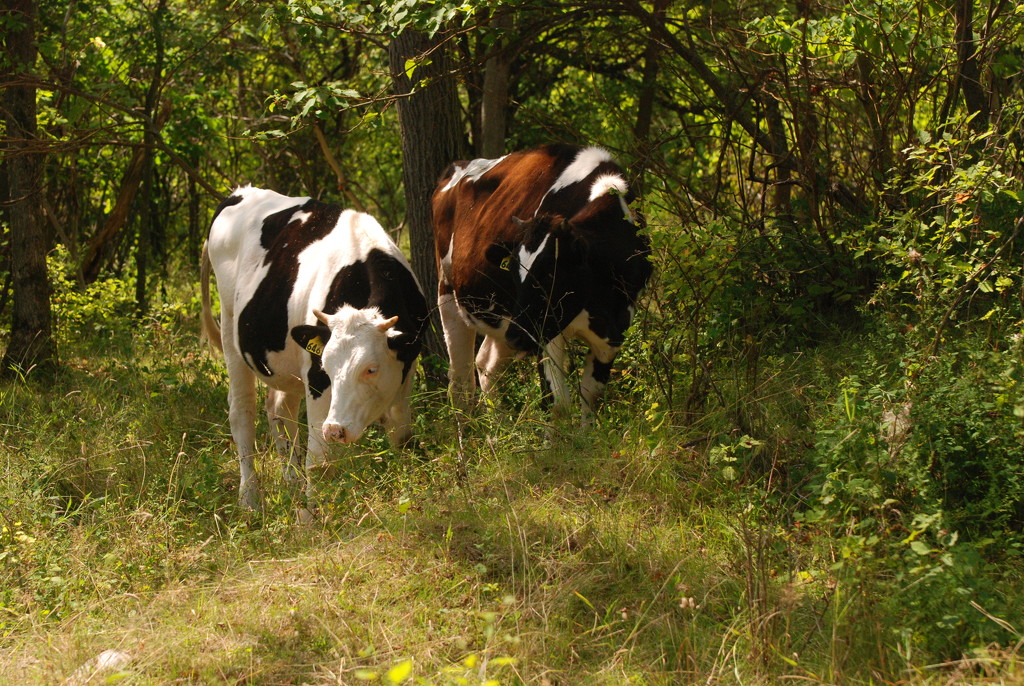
point(625, 553)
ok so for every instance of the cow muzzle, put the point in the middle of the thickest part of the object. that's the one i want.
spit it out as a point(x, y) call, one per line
point(336, 433)
point(519, 340)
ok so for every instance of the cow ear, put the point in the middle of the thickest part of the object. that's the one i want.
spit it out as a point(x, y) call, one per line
point(567, 229)
point(312, 338)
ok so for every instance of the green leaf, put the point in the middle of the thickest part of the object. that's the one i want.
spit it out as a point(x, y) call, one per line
point(413, 63)
point(920, 547)
point(584, 599)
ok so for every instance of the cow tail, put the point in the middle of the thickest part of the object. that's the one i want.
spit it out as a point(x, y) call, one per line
point(210, 327)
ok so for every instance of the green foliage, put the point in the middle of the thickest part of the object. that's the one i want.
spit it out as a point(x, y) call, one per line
point(809, 465)
point(948, 250)
point(969, 431)
point(921, 478)
point(101, 309)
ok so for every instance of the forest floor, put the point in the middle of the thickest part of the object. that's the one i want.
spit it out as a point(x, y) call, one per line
point(515, 552)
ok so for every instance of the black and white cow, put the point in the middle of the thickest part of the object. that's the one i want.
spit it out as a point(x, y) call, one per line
point(535, 249)
point(315, 301)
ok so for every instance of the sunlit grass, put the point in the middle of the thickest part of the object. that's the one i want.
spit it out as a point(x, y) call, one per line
point(524, 551)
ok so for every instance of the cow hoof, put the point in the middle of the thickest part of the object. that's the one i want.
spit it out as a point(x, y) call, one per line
point(250, 497)
point(251, 505)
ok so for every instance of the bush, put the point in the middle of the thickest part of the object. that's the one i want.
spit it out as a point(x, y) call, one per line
point(97, 309)
point(968, 431)
point(916, 475)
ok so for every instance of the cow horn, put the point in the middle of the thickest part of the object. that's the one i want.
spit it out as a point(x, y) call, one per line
point(518, 222)
point(321, 316)
point(387, 324)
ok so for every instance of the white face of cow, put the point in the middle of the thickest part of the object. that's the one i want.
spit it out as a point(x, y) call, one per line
point(365, 374)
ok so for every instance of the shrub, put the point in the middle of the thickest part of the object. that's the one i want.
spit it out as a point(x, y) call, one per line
point(97, 309)
point(916, 474)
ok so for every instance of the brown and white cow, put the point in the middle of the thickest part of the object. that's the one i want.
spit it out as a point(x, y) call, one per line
point(315, 301)
point(535, 249)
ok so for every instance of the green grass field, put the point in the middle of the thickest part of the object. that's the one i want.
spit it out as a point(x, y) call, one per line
point(631, 552)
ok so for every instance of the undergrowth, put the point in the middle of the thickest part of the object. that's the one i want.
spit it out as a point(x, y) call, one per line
point(849, 513)
point(623, 552)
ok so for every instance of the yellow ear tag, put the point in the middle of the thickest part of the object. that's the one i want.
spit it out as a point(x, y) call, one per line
point(506, 263)
point(315, 346)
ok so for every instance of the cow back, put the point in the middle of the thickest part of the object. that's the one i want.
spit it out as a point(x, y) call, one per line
point(277, 258)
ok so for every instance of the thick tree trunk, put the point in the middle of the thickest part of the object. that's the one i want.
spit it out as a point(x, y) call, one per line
point(31, 343)
point(494, 100)
point(428, 115)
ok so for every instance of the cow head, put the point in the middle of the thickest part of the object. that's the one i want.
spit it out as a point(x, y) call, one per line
point(550, 265)
point(364, 372)
point(595, 261)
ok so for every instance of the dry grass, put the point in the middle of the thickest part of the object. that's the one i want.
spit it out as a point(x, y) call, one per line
point(562, 556)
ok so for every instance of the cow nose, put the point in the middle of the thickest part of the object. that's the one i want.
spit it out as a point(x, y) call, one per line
point(334, 433)
point(519, 340)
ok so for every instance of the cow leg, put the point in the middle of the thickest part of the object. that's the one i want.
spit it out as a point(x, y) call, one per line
point(596, 373)
point(491, 360)
point(556, 370)
point(398, 421)
point(283, 417)
point(316, 451)
point(460, 339)
point(242, 417)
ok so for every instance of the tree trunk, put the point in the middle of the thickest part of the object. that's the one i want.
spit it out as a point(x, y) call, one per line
point(494, 103)
point(428, 116)
point(967, 79)
point(96, 251)
point(969, 74)
point(645, 105)
point(147, 210)
point(31, 343)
